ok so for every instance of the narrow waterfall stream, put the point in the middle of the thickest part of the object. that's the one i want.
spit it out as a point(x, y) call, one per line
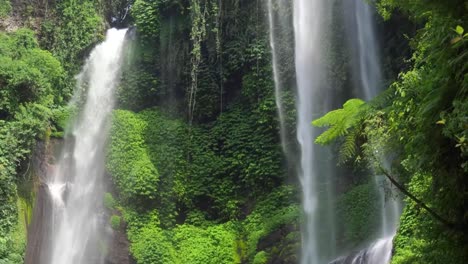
point(75, 183)
point(368, 79)
point(276, 76)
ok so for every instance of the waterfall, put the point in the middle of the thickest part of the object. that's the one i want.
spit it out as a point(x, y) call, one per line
point(316, 170)
point(276, 76)
point(368, 74)
point(75, 184)
point(363, 44)
point(367, 77)
point(282, 57)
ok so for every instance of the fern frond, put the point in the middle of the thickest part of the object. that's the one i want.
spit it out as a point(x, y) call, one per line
point(349, 147)
point(339, 121)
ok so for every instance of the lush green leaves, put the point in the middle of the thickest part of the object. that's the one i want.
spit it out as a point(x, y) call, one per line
point(152, 245)
point(146, 16)
point(421, 126)
point(30, 81)
point(115, 222)
point(5, 8)
point(213, 245)
point(27, 74)
point(128, 159)
point(358, 214)
point(339, 121)
point(70, 34)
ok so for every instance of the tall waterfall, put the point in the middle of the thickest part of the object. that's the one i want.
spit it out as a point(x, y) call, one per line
point(316, 167)
point(75, 183)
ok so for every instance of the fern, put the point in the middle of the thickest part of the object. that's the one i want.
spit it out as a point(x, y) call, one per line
point(339, 121)
point(348, 147)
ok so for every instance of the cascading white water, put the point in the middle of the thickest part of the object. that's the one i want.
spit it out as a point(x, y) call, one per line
point(380, 252)
point(316, 167)
point(367, 75)
point(76, 186)
point(370, 83)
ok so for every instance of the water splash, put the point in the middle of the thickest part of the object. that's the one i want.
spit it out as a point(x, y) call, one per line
point(379, 252)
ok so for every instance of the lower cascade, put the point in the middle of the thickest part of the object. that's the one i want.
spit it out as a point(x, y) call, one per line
point(378, 253)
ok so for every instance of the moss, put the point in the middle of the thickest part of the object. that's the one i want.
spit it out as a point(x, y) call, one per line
point(5, 8)
point(109, 201)
point(261, 258)
point(115, 221)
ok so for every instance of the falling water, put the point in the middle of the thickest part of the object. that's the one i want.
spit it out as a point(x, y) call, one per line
point(281, 36)
point(380, 252)
point(367, 77)
point(276, 76)
point(370, 78)
point(76, 184)
point(364, 48)
point(316, 168)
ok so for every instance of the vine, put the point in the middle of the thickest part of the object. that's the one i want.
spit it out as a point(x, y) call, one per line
point(197, 35)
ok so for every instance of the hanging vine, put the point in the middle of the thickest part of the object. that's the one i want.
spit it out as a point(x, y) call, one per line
point(217, 10)
point(197, 35)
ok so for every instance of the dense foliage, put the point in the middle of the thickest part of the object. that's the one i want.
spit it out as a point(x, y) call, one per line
point(29, 78)
point(198, 75)
point(195, 186)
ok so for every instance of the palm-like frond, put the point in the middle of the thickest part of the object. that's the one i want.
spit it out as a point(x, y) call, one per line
point(339, 121)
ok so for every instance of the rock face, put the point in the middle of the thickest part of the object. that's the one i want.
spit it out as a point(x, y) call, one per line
point(39, 231)
point(10, 23)
point(28, 14)
point(119, 249)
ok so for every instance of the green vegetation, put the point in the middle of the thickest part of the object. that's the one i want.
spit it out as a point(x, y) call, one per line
point(35, 83)
point(185, 183)
point(195, 155)
point(109, 201)
point(134, 174)
point(358, 212)
point(30, 78)
point(5, 8)
point(71, 32)
point(115, 222)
